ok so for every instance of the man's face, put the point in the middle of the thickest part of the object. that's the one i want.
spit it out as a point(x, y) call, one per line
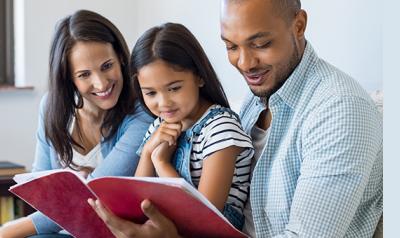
point(260, 44)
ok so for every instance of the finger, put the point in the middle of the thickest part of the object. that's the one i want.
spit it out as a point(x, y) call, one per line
point(170, 139)
point(153, 214)
point(175, 126)
point(170, 131)
point(116, 225)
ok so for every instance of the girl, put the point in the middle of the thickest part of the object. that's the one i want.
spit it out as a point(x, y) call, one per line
point(90, 120)
point(195, 136)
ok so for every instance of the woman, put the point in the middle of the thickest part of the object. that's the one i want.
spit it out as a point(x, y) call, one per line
point(90, 121)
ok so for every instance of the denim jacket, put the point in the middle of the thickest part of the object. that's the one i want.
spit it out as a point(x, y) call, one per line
point(118, 152)
point(181, 158)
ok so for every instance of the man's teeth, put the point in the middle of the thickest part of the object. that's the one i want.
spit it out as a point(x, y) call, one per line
point(102, 94)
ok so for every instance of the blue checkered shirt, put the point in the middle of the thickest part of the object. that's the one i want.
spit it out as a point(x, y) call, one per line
point(320, 172)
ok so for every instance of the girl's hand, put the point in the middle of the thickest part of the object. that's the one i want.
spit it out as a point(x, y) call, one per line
point(163, 153)
point(166, 132)
point(161, 159)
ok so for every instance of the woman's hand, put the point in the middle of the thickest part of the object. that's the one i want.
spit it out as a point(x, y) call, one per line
point(21, 227)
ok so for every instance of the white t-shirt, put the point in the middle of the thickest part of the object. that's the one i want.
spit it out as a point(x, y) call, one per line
point(91, 159)
point(259, 137)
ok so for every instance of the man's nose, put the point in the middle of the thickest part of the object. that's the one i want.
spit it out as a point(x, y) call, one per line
point(247, 60)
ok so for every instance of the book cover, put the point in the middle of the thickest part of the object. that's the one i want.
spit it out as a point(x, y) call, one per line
point(190, 211)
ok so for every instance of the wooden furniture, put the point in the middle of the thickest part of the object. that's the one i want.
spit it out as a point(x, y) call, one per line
point(5, 183)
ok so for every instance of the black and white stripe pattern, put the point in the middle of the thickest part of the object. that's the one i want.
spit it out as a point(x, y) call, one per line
point(220, 132)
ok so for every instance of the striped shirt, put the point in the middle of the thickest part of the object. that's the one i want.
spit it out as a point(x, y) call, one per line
point(218, 133)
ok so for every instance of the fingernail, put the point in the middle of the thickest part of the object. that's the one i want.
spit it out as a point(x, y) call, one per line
point(146, 204)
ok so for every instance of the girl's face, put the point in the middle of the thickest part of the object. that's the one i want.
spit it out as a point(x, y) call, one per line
point(170, 94)
point(96, 73)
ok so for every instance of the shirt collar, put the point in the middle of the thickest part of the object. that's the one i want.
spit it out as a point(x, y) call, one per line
point(291, 90)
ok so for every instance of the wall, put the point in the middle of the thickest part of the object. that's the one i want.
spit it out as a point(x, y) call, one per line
point(351, 41)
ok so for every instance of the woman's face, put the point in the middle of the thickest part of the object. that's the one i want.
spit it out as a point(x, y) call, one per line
point(170, 94)
point(96, 72)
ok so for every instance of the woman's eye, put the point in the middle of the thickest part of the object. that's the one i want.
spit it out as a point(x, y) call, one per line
point(84, 75)
point(107, 65)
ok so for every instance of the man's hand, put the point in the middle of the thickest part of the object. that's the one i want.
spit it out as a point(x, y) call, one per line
point(157, 225)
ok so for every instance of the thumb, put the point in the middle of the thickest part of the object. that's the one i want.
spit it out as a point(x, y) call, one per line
point(153, 213)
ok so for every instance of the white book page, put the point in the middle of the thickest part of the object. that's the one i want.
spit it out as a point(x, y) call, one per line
point(26, 177)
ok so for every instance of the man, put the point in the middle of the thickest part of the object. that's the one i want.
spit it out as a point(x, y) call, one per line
point(316, 132)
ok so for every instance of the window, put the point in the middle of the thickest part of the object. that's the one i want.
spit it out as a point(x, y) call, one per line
point(6, 43)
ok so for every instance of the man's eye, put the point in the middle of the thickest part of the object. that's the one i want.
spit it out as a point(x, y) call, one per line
point(231, 47)
point(263, 46)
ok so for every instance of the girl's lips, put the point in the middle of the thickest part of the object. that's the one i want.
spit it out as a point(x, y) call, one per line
point(167, 114)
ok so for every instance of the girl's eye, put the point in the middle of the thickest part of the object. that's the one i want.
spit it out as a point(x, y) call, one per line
point(150, 94)
point(84, 75)
point(106, 66)
point(174, 89)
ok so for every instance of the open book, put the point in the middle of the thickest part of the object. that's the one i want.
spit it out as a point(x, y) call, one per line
point(62, 196)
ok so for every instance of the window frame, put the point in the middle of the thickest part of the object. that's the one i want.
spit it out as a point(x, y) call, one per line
point(6, 43)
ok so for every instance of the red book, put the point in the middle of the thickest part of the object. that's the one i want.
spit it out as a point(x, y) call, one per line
point(62, 196)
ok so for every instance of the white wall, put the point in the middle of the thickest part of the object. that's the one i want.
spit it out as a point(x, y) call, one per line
point(351, 42)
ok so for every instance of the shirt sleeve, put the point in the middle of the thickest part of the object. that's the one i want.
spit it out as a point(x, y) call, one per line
point(221, 132)
point(42, 162)
point(122, 159)
point(340, 145)
point(42, 159)
point(156, 123)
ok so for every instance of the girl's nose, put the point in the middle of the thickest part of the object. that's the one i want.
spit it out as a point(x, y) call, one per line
point(164, 100)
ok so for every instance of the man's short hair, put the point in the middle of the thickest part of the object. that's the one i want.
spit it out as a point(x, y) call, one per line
point(287, 9)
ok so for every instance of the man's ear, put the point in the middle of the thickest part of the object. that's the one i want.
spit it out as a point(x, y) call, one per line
point(300, 24)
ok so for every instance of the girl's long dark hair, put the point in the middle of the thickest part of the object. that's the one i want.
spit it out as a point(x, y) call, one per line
point(174, 44)
point(63, 97)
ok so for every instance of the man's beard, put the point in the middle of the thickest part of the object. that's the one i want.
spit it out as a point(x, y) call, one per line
point(283, 72)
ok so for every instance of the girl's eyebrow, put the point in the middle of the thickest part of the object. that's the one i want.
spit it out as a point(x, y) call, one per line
point(167, 85)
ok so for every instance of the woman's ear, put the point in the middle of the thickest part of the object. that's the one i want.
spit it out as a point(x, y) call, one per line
point(201, 82)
